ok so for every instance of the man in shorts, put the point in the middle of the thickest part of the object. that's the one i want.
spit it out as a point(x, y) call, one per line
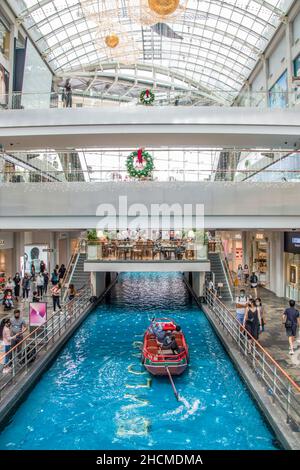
point(291, 320)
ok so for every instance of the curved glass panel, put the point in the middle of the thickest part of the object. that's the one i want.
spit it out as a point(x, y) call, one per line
point(209, 45)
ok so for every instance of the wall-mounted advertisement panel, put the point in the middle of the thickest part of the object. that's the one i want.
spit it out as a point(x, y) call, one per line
point(37, 314)
point(278, 94)
point(35, 254)
point(4, 84)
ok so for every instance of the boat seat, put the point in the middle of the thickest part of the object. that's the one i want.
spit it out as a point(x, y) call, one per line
point(167, 352)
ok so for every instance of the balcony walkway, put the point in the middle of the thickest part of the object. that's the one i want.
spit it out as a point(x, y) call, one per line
point(274, 338)
point(169, 126)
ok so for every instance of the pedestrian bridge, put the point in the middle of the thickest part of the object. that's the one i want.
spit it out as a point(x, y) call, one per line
point(229, 205)
point(143, 126)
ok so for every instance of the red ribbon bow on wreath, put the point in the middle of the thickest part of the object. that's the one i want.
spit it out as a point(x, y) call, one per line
point(147, 93)
point(140, 155)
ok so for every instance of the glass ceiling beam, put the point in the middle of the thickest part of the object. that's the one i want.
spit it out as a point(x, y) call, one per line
point(255, 50)
point(234, 7)
point(222, 39)
point(180, 53)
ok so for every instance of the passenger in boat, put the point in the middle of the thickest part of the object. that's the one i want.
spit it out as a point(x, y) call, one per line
point(174, 346)
point(157, 330)
point(167, 341)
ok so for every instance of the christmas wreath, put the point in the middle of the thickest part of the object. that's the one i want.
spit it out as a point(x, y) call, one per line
point(147, 97)
point(139, 164)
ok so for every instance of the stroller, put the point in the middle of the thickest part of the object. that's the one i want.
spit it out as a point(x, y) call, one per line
point(8, 300)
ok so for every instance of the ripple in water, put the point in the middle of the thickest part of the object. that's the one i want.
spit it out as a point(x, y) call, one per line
point(92, 399)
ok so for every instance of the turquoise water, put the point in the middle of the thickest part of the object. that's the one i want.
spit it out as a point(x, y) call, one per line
point(97, 395)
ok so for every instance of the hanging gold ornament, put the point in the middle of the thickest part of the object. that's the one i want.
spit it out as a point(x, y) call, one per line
point(150, 12)
point(112, 41)
point(163, 7)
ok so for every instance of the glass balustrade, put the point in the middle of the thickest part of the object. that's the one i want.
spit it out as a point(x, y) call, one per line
point(188, 98)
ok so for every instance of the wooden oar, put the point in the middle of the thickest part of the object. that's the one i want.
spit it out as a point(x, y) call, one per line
point(172, 383)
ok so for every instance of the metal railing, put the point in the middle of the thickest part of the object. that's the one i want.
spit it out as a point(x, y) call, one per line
point(19, 359)
point(283, 390)
point(121, 175)
point(66, 280)
point(225, 265)
point(189, 97)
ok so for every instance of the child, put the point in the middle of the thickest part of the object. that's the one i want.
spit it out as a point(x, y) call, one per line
point(35, 297)
point(8, 300)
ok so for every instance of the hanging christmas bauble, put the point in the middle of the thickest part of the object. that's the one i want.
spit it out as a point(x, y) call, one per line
point(112, 40)
point(163, 7)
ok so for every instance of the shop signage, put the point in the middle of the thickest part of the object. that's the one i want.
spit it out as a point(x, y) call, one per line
point(48, 250)
point(2, 243)
point(260, 236)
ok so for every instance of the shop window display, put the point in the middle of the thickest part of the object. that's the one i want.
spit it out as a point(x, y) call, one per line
point(4, 39)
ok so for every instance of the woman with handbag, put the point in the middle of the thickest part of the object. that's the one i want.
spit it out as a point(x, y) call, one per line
point(290, 321)
point(252, 320)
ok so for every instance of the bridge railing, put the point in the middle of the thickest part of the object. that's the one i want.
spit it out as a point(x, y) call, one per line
point(16, 363)
point(283, 390)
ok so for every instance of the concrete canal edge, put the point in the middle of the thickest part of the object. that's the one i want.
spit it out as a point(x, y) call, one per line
point(22, 387)
point(289, 439)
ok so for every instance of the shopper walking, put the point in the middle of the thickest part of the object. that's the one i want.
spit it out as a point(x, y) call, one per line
point(40, 284)
point(46, 282)
point(17, 281)
point(291, 320)
point(56, 291)
point(55, 277)
point(61, 271)
point(241, 304)
point(25, 286)
point(42, 267)
point(67, 94)
point(240, 274)
point(32, 269)
point(252, 320)
point(246, 274)
point(253, 284)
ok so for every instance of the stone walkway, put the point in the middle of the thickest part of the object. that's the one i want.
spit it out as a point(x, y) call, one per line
point(274, 338)
point(24, 307)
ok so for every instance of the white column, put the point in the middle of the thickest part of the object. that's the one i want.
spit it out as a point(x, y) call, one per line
point(98, 283)
point(198, 283)
point(18, 250)
point(289, 59)
point(276, 264)
point(265, 64)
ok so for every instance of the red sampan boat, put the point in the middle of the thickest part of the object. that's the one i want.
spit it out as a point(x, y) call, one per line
point(158, 360)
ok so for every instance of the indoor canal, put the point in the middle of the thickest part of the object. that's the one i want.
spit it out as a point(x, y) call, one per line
point(97, 395)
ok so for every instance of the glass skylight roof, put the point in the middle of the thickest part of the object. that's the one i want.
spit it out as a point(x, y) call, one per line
point(220, 41)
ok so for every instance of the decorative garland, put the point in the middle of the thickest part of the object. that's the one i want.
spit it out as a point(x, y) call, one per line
point(144, 165)
point(147, 97)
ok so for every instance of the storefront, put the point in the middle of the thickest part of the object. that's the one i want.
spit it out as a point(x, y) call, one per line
point(292, 265)
point(260, 257)
point(233, 248)
point(6, 256)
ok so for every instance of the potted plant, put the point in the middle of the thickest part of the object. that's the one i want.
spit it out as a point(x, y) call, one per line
point(92, 250)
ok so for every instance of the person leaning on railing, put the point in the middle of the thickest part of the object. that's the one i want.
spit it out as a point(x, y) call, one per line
point(7, 337)
point(18, 327)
